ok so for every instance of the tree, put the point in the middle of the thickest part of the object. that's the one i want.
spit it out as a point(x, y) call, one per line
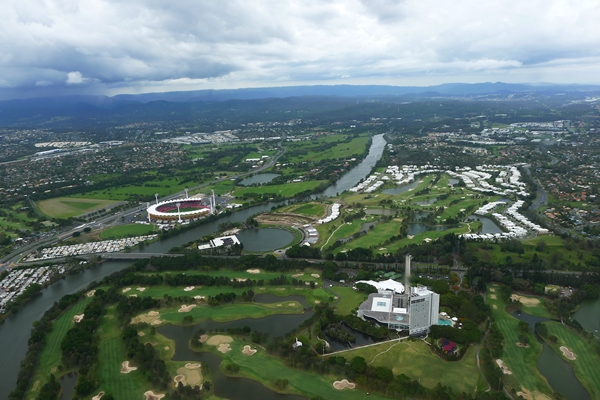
point(524, 339)
point(358, 365)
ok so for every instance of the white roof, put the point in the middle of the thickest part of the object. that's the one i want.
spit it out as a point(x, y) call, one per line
point(386, 285)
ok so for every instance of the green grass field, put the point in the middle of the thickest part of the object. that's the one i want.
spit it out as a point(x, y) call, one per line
point(65, 207)
point(379, 234)
point(266, 369)
point(349, 299)
point(285, 190)
point(310, 209)
point(50, 357)
point(521, 361)
point(146, 190)
point(128, 230)
point(588, 358)
point(415, 360)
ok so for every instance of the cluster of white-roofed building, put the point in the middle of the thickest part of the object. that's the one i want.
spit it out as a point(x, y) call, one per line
point(104, 246)
point(20, 279)
point(507, 182)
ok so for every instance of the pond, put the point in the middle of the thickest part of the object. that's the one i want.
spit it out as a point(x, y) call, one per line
point(559, 373)
point(488, 226)
point(414, 228)
point(426, 202)
point(401, 189)
point(588, 316)
point(453, 181)
point(67, 385)
point(380, 211)
point(361, 340)
point(258, 179)
point(265, 239)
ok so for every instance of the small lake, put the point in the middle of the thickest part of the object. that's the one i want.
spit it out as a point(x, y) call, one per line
point(559, 373)
point(264, 239)
point(453, 181)
point(380, 211)
point(415, 228)
point(361, 340)
point(488, 226)
point(258, 179)
point(401, 189)
point(426, 202)
point(67, 384)
point(588, 316)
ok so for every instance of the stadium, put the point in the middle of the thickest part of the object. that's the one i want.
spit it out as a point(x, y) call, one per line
point(178, 210)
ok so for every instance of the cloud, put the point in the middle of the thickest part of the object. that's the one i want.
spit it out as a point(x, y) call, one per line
point(110, 44)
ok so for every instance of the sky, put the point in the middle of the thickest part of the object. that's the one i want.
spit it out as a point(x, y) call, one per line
point(62, 47)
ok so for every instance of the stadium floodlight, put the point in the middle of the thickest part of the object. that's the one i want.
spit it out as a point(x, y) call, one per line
point(156, 195)
point(178, 204)
point(186, 193)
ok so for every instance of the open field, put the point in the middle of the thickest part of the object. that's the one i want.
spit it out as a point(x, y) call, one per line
point(285, 190)
point(122, 231)
point(65, 207)
point(50, 357)
point(375, 237)
point(521, 361)
point(415, 360)
point(314, 150)
point(265, 369)
point(587, 359)
point(146, 190)
point(349, 299)
point(310, 209)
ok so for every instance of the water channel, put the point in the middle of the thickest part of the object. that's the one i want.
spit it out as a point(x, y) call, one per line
point(14, 332)
point(559, 373)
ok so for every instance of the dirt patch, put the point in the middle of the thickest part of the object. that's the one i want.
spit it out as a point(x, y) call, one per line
point(344, 384)
point(495, 307)
point(249, 351)
point(568, 353)
point(315, 275)
point(126, 368)
point(150, 395)
point(98, 396)
point(203, 338)
point(503, 367)
point(90, 293)
point(218, 339)
point(140, 334)
point(185, 308)
point(493, 296)
point(253, 271)
point(189, 288)
point(526, 301)
point(519, 344)
point(77, 318)
point(224, 348)
point(127, 289)
point(141, 289)
point(35, 386)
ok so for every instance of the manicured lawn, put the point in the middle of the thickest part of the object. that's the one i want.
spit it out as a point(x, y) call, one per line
point(539, 310)
point(349, 299)
point(122, 231)
point(521, 361)
point(266, 369)
point(285, 190)
point(379, 234)
point(65, 207)
point(310, 209)
point(415, 360)
point(147, 190)
point(50, 357)
point(588, 358)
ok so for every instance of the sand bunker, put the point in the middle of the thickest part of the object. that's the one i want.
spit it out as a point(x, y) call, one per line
point(167, 347)
point(253, 271)
point(218, 339)
point(98, 396)
point(495, 307)
point(153, 313)
point(189, 288)
point(192, 365)
point(125, 368)
point(35, 386)
point(315, 275)
point(241, 279)
point(503, 367)
point(526, 301)
point(133, 295)
point(493, 296)
point(149, 318)
point(156, 322)
point(297, 275)
point(249, 351)
point(90, 293)
point(492, 290)
point(519, 344)
point(78, 318)
point(343, 384)
point(224, 348)
point(279, 305)
point(185, 308)
point(127, 289)
point(291, 304)
point(141, 289)
point(317, 301)
point(199, 297)
point(280, 289)
point(568, 353)
point(140, 334)
point(150, 395)
point(203, 338)
point(189, 376)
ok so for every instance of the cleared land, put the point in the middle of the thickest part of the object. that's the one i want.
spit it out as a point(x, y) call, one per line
point(586, 364)
point(415, 360)
point(122, 231)
point(65, 207)
point(520, 360)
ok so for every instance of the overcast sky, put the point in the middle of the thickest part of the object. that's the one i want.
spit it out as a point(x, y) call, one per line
point(130, 46)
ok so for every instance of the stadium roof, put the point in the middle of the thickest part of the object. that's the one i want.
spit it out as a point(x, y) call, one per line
point(389, 284)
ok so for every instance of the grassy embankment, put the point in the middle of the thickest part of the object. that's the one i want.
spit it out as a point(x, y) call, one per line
point(415, 360)
point(50, 357)
point(586, 352)
point(522, 362)
point(65, 207)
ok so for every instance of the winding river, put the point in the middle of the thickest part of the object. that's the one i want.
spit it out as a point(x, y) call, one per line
point(14, 332)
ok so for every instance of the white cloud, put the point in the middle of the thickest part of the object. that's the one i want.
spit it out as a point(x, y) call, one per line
point(202, 43)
